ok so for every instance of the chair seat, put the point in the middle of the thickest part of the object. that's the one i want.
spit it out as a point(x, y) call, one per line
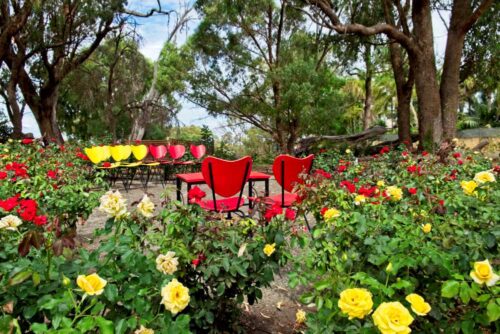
point(223, 205)
point(190, 162)
point(259, 176)
point(151, 164)
point(132, 164)
point(191, 177)
point(290, 199)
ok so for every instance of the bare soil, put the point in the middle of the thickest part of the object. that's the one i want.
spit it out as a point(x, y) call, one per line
point(274, 313)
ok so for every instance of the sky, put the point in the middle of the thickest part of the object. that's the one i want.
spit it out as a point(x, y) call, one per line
point(154, 31)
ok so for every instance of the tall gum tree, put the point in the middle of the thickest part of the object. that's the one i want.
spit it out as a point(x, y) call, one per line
point(57, 38)
point(437, 101)
point(257, 64)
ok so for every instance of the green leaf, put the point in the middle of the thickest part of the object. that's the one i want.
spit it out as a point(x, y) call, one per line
point(39, 328)
point(86, 324)
point(111, 292)
point(121, 326)
point(322, 285)
point(464, 292)
point(20, 277)
point(105, 326)
point(493, 311)
point(450, 289)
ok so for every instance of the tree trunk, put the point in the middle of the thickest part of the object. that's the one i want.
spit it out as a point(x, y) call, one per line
point(15, 113)
point(368, 118)
point(450, 80)
point(46, 115)
point(429, 103)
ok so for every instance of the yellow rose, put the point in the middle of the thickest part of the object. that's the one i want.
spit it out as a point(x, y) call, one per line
point(380, 183)
point(175, 296)
point(483, 273)
point(427, 228)
point(484, 177)
point(269, 249)
point(395, 193)
point(331, 213)
point(91, 284)
point(356, 303)
point(167, 263)
point(359, 199)
point(113, 204)
point(300, 317)
point(418, 304)
point(146, 207)
point(392, 318)
point(10, 222)
point(144, 330)
point(468, 187)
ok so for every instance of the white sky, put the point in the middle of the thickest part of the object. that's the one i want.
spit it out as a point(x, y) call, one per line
point(154, 32)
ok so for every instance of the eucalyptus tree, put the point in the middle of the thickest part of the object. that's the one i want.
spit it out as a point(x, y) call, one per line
point(258, 63)
point(437, 99)
point(98, 96)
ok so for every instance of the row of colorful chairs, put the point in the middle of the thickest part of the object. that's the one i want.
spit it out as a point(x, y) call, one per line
point(121, 153)
point(126, 161)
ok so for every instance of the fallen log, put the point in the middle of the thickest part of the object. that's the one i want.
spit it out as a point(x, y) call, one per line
point(481, 145)
point(365, 135)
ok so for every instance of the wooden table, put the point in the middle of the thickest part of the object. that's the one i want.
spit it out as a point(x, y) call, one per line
point(197, 178)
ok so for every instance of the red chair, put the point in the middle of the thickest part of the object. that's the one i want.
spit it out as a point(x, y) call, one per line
point(158, 152)
point(198, 151)
point(287, 170)
point(226, 179)
point(176, 151)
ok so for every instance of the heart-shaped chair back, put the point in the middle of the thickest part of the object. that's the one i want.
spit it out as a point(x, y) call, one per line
point(176, 151)
point(158, 152)
point(198, 151)
point(139, 151)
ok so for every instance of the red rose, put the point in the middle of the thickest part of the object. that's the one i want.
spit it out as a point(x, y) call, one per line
point(82, 156)
point(3, 175)
point(195, 262)
point(355, 180)
point(69, 164)
point(412, 191)
point(290, 214)
point(195, 195)
point(412, 169)
point(404, 154)
point(27, 209)
point(425, 153)
point(9, 204)
point(27, 141)
point(321, 172)
point(441, 202)
point(384, 150)
point(457, 155)
point(460, 162)
point(40, 220)
point(52, 174)
point(348, 185)
point(341, 168)
point(273, 212)
point(322, 212)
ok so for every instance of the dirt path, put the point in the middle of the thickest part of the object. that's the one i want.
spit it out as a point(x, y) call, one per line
point(275, 313)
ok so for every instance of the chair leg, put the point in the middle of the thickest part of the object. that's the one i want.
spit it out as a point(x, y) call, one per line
point(307, 222)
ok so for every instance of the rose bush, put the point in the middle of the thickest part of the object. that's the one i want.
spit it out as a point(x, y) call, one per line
point(178, 271)
point(411, 231)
